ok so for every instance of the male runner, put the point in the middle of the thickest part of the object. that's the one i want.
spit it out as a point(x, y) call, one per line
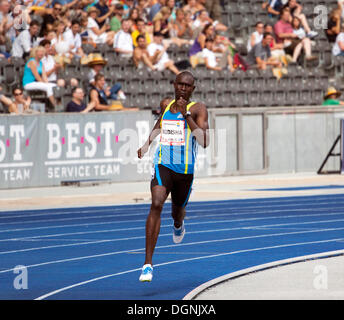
point(182, 125)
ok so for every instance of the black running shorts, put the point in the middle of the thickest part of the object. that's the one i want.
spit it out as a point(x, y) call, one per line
point(178, 184)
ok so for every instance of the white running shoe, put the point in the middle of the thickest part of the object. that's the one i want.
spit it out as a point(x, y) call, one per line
point(178, 233)
point(146, 273)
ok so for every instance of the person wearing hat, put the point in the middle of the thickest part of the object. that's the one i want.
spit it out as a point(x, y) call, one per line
point(98, 35)
point(96, 65)
point(331, 97)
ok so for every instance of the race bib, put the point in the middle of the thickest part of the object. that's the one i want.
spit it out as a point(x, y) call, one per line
point(172, 133)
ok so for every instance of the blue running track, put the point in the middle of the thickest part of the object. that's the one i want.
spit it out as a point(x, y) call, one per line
point(97, 252)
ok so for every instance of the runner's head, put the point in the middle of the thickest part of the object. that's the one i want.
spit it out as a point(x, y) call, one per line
point(184, 85)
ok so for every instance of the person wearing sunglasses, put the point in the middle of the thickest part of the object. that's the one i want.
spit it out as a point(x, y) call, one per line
point(21, 104)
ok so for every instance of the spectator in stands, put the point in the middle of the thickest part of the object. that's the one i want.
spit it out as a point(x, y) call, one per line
point(35, 77)
point(143, 7)
point(116, 20)
point(277, 49)
point(194, 7)
point(224, 50)
point(73, 38)
point(98, 35)
point(331, 97)
point(133, 16)
point(171, 4)
point(25, 41)
point(97, 94)
point(182, 26)
point(6, 101)
point(195, 51)
point(203, 19)
point(50, 65)
point(123, 42)
point(296, 11)
point(159, 56)
point(256, 36)
point(104, 12)
point(21, 104)
point(260, 54)
point(96, 66)
point(155, 8)
point(297, 28)
point(141, 56)
point(338, 47)
point(209, 57)
point(293, 45)
point(77, 103)
point(273, 7)
point(141, 30)
point(161, 23)
point(60, 44)
point(333, 25)
point(50, 15)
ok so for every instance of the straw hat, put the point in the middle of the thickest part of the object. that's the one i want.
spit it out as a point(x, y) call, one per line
point(96, 59)
point(93, 9)
point(331, 91)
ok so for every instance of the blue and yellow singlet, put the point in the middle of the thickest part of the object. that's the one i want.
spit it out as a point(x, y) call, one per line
point(177, 148)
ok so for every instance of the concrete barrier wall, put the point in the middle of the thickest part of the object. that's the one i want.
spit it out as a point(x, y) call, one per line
point(52, 149)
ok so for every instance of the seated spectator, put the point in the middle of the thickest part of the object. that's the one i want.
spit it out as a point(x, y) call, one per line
point(260, 54)
point(277, 49)
point(182, 26)
point(104, 12)
point(60, 44)
point(273, 7)
point(21, 104)
point(256, 36)
point(133, 17)
point(296, 11)
point(159, 56)
point(210, 60)
point(338, 47)
point(297, 28)
point(96, 66)
point(25, 41)
point(96, 34)
point(77, 103)
point(50, 65)
point(35, 77)
point(116, 20)
point(50, 15)
point(123, 42)
point(143, 7)
point(7, 102)
point(155, 8)
point(161, 23)
point(141, 55)
point(293, 45)
point(141, 30)
point(194, 7)
point(203, 19)
point(333, 25)
point(331, 97)
point(97, 94)
point(171, 4)
point(73, 38)
point(195, 51)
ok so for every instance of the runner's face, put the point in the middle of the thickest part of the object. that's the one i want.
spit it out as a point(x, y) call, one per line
point(184, 86)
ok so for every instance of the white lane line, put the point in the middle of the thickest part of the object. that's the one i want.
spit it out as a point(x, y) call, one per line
point(187, 217)
point(49, 294)
point(192, 207)
point(174, 245)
